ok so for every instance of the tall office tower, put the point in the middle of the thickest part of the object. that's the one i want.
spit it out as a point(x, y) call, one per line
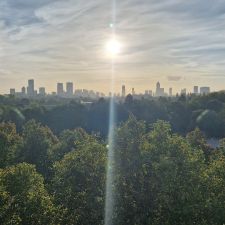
point(159, 91)
point(60, 89)
point(69, 89)
point(150, 92)
point(146, 92)
point(123, 91)
point(23, 90)
point(204, 90)
point(133, 91)
point(195, 89)
point(30, 88)
point(183, 91)
point(170, 92)
point(42, 91)
point(12, 91)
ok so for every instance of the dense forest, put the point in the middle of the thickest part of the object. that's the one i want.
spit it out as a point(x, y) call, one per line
point(53, 161)
point(184, 113)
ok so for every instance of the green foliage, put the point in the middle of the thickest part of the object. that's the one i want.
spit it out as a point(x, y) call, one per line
point(159, 177)
point(10, 143)
point(198, 142)
point(23, 198)
point(128, 172)
point(211, 123)
point(38, 142)
point(69, 140)
point(79, 184)
point(175, 175)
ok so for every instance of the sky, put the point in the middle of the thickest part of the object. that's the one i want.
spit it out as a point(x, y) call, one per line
point(177, 42)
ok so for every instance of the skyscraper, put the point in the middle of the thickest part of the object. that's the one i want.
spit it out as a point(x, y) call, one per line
point(170, 92)
point(42, 91)
point(133, 91)
point(123, 91)
point(183, 91)
point(30, 88)
point(60, 90)
point(69, 89)
point(12, 91)
point(195, 89)
point(23, 90)
point(159, 91)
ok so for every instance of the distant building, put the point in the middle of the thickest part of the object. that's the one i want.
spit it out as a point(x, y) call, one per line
point(150, 92)
point(12, 91)
point(42, 91)
point(85, 93)
point(30, 88)
point(159, 91)
point(133, 91)
point(60, 90)
point(204, 90)
point(170, 91)
point(195, 90)
point(69, 89)
point(23, 90)
point(78, 93)
point(183, 91)
point(123, 91)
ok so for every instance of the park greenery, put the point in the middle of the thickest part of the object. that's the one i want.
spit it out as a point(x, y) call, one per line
point(53, 161)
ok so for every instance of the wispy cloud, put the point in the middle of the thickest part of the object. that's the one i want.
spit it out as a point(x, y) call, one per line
point(64, 40)
point(174, 78)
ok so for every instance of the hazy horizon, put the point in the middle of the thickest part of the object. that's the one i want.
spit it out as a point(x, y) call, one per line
point(180, 44)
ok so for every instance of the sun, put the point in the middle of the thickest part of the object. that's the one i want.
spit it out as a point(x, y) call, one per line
point(113, 47)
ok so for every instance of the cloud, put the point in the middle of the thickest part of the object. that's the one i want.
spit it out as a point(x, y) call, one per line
point(174, 78)
point(64, 39)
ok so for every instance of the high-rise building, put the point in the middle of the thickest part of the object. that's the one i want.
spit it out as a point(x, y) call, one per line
point(23, 90)
point(60, 90)
point(195, 89)
point(123, 91)
point(170, 92)
point(30, 88)
point(42, 91)
point(69, 89)
point(204, 90)
point(183, 91)
point(12, 91)
point(133, 91)
point(159, 91)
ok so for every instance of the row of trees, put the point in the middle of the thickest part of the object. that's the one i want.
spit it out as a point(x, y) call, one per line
point(160, 177)
point(184, 113)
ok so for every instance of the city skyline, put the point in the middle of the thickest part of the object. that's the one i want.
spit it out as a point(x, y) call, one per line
point(69, 90)
point(179, 43)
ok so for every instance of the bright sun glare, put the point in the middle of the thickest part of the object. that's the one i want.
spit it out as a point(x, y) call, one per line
point(113, 47)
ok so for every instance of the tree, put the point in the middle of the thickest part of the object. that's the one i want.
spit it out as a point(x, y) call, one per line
point(10, 144)
point(173, 171)
point(197, 140)
point(211, 123)
point(214, 183)
point(23, 198)
point(69, 140)
point(38, 143)
point(79, 184)
point(128, 173)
